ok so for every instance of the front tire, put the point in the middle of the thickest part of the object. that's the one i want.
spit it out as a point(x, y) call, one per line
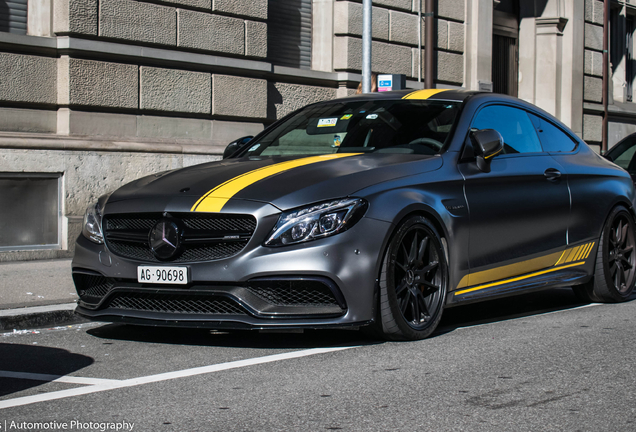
point(615, 272)
point(413, 282)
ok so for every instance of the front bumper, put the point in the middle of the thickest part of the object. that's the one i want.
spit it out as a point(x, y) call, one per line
point(329, 282)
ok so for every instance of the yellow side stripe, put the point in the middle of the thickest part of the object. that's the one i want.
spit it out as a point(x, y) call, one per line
point(550, 270)
point(561, 259)
point(423, 94)
point(581, 253)
point(571, 255)
point(215, 199)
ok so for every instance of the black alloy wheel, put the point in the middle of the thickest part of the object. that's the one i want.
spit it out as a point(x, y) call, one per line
point(413, 282)
point(615, 272)
point(621, 254)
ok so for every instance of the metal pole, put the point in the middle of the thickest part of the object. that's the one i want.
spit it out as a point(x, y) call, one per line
point(366, 46)
point(419, 41)
point(429, 45)
point(605, 75)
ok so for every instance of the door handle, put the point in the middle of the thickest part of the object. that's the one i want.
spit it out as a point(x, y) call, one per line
point(552, 174)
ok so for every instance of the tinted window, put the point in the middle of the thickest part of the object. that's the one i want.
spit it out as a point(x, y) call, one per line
point(624, 157)
point(552, 138)
point(513, 124)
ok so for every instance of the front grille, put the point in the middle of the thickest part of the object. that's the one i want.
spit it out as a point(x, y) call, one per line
point(92, 285)
point(297, 292)
point(136, 251)
point(220, 224)
point(204, 238)
point(176, 303)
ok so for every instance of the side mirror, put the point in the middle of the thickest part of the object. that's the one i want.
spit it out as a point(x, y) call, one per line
point(235, 145)
point(487, 143)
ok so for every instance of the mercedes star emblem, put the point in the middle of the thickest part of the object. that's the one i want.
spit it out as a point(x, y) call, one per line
point(165, 239)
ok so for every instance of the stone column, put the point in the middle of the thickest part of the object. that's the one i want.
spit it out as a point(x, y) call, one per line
point(549, 48)
point(551, 58)
point(573, 66)
point(478, 52)
point(322, 35)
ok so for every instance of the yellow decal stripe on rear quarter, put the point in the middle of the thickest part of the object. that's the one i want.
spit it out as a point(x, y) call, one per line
point(572, 254)
point(423, 94)
point(214, 200)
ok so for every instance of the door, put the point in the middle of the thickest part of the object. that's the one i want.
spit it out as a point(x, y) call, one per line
point(519, 210)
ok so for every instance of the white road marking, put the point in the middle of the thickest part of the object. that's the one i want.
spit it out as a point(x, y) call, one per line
point(115, 384)
point(54, 378)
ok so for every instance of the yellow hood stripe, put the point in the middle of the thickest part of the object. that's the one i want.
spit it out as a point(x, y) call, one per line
point(215, 199)
point(423, 94)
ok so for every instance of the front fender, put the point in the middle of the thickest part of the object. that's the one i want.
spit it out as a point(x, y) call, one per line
point(442, 202)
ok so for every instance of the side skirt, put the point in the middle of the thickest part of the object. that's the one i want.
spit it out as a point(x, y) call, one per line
point(557, 279)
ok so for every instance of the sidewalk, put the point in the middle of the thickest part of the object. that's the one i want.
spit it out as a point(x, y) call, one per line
point(36, 294)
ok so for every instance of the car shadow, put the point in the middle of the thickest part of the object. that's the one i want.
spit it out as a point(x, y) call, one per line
point(233, 339)
point(457, 317)
point(36, 359)
point(518, 306)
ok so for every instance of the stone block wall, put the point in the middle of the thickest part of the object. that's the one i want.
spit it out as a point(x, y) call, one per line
point(394, 47)
point(86, 176)
point(28, 79)
point(232, 27)
point(593, 68)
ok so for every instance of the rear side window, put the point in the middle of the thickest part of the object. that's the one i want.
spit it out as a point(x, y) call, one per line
point(553, 139)
point(625, 158)
point(513, 124)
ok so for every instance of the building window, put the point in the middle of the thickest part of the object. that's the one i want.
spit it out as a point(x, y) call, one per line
point(622, 53)
point(289, 33)
point(29, 211)
point(13, 16)
point(629, 55)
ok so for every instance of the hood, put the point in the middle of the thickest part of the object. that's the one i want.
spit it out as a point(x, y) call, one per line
point(284, 182)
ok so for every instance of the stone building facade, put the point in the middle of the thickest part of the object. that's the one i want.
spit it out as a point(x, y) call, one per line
point(96, 93)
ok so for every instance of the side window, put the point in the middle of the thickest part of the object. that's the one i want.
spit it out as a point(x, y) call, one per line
point(553, 139)
point(514, 126)
point(623, 159)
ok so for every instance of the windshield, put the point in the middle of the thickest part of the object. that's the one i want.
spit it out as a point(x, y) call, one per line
point(381, 126)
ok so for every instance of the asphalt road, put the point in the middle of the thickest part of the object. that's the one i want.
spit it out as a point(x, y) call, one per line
point(531, 363)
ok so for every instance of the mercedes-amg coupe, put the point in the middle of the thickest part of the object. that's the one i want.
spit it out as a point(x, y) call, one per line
point(375, 211)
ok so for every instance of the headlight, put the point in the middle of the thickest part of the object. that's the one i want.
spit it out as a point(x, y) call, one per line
point(93, 224)
point(92, 228)
point(316, 221)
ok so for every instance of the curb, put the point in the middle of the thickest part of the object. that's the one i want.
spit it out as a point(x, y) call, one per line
point(39, 316)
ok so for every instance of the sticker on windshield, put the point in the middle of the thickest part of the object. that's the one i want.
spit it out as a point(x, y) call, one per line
point(372, 116)
point(346, 117)
point(327, 122)
point(337, 141)
point(254, 147)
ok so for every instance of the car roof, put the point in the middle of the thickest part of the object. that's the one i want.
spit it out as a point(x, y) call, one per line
point(455, 95)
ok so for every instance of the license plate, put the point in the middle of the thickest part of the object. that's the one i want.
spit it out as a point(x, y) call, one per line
point(162, 275)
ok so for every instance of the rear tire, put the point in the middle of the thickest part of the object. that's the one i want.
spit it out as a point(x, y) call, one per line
point(413, 282)
point(615, 272)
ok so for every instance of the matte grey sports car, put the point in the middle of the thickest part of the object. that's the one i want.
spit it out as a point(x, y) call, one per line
point(376, 210)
